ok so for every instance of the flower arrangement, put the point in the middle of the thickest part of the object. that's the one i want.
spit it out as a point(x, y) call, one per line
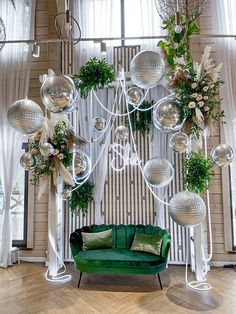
point(196, 86)
point(93, 74)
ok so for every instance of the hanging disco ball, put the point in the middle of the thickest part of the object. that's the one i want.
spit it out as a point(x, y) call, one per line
point(187, 209)
point(66, 194)
point(121, 133)
point(46, 149)
point(28, 161)
point(179, 142)
point(59, 94)
point(222, 155)
point(147, 69)
point(81, 164)
point(25, 116)
point(166, 115)
point(158, 172)
point(99, 124)
point(134, 96)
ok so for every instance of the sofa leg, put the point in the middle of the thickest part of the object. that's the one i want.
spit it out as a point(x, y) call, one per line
point(80, 276)
point(159, 278)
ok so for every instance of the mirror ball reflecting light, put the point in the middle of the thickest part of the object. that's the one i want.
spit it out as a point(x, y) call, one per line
point(46, 149)
point(99, 124)
point(134, 96)
point(158, 172)
point(121, 133)
point(187, 209)
point(27, 161)
point(25, 116)
point(59, 94)
point(222, 155)
point(66, 194)
point(81, 164)
point(179, 142)
point(166, 116)
point(147, 69)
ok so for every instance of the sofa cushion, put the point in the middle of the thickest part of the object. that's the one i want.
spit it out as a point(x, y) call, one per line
point(97, 240)
point(147, 243)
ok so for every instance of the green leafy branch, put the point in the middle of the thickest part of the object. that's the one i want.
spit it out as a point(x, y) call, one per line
point(141, 120)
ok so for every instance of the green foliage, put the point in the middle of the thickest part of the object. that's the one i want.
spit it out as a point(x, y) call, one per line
point(175, 44)
point(95, 73)
point(141, 120)
point(197, 172)
point(81, 197)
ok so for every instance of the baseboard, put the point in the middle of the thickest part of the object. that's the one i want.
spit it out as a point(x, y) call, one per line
point(221, 264)
point(32, 259)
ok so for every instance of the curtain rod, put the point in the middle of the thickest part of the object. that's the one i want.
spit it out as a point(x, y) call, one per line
point(99, 39)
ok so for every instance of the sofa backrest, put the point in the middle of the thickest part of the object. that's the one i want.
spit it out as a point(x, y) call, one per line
point(123, 235)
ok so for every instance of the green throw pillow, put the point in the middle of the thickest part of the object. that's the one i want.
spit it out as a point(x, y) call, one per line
point(97, 240)
point(147, 243)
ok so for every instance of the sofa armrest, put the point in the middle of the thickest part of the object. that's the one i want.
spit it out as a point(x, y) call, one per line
point(76, 242)
point(165, 246)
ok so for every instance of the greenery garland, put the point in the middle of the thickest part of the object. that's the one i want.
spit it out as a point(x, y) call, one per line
point(93, 74)
point(197, 171)
point(81, 197)
point(141, 120)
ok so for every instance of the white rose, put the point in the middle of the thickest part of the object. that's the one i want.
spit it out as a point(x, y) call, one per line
point(205, 88)
point(205, 97)
point(206, 108)
point(194, 85)
point(199, 97)
point(192, 104)
point(200, 103)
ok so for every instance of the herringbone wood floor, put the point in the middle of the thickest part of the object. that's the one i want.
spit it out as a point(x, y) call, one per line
point(23, 289)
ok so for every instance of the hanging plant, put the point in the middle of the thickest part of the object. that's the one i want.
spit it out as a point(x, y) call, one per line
point(197, 172)
point(141, 120)
point(81, 197)
point(95, 73)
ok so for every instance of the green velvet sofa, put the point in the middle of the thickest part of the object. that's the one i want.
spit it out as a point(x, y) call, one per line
point(120, 259)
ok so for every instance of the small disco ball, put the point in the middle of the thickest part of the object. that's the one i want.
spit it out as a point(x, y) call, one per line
point(222, 155)
point(46, 149)
point(99, 124)
point(166, 116)
point(134, 96)
point(158, 172)
point(59, 94)
point(147, 69)
point(121, 133)
point(66, 194)
point(81, 164)
point(25, 116)
point(187, 209)
point(179, 142)
point(27, 161)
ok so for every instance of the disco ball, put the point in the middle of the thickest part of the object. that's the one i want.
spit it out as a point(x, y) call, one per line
point(179, 142)
point(134, 96)
point(166, 115)
point(222, 155)
point(158, 172)
point(147, 69)
point(187, 209)
point(81, 164)
point(59, 94)
point(27, 161)
point(66, 194)
point(25, 116)
point(121, 133)
point(99, 124)
point(46, 149)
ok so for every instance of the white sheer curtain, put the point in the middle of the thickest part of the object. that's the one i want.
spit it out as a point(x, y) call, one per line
point(14, 79)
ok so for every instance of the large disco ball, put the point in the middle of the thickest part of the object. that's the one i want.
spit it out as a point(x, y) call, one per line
point(179, 142)
point(166, 115)
point(134, 96)
point(59, 94)
point(158, 172)
point(121, 133)
point(222, 155)
point(81, 164)
point(187, 209)
point(99, 124)
point(46, 149)
point(147, 69)
point(28, 161)
point(25, 116)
